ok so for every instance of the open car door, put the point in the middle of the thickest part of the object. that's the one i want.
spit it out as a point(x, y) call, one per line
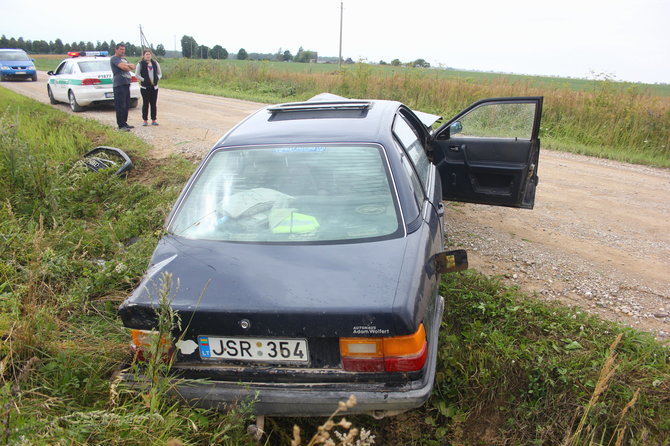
point(489, 152)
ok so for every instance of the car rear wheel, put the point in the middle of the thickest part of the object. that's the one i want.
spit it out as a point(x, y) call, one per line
point(51, 96)
point(74, 105)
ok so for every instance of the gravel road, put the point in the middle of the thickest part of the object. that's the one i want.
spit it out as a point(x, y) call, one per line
point(598, 238)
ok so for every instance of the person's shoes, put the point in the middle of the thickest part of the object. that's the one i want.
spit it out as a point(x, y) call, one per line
point(145, 124)
point(123, 129)
point(154, 123)
point(130, 126)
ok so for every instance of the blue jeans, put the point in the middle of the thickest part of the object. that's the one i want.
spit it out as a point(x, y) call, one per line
point(122, 104)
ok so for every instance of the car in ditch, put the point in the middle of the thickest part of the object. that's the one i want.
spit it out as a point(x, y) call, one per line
point(16, 64)
point(85, 79)
point(305, 252)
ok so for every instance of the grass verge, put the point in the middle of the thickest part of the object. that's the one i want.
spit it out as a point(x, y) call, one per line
point(73, 243)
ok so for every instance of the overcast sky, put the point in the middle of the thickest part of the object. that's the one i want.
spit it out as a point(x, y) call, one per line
point(624, 39)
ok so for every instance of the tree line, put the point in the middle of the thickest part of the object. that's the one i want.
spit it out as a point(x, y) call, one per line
point(192, 50)
point(59, 47)
point(189, 49)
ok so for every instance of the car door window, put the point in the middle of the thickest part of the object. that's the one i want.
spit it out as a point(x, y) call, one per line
point(415, 150)
point(67, 68)
point(61, 68)
point(414, 182)
point(497, 121)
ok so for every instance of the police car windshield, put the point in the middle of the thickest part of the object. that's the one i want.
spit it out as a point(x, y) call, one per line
point(325, 193)
point(90, 66)
point(18, 56)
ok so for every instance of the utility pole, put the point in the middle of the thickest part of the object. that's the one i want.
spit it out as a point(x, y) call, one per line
point(339, 60)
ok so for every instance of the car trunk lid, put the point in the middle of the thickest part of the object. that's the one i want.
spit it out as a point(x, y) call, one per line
point(290, 290)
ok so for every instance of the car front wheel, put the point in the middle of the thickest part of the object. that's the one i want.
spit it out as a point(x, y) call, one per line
point(134, 102)
point(34, 77)
point(74, 105)
point(51, 95)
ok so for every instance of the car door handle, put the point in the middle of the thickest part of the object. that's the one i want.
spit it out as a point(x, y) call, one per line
point(454, 148)
point(440, 209)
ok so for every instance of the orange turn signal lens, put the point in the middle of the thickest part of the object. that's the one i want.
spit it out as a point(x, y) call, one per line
point(405, 345)
point(397, 353)
point(143, 342)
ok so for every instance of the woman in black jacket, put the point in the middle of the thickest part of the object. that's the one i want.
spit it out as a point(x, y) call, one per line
point(149, 73)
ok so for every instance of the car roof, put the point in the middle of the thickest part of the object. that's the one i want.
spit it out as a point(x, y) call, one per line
point(322, 119)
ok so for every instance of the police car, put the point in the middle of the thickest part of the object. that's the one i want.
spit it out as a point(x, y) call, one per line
point(86, 79)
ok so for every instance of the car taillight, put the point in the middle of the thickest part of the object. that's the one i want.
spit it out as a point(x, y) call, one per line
point(134, 79)
point(90, 81)
point(143, 345)
point(392, 354)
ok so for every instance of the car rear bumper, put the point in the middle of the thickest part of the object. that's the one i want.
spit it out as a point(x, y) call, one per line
point(98, 95)
point(312, 399)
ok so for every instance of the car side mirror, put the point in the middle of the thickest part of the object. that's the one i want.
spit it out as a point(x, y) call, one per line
point(456, 127)
point(451, 261)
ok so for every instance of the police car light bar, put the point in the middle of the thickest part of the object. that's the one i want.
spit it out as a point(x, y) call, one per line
point(87, 53)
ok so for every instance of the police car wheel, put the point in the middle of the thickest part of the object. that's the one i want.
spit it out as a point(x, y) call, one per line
point(133, 103)
point(51, 96)
point(74, 105)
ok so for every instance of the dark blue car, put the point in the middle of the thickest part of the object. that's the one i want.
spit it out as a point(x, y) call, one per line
point(16, 64)
point(308, 248)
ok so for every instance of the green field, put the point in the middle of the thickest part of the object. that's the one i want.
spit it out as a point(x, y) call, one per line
point(74, 243)
point(620, 121)
point(50, 62)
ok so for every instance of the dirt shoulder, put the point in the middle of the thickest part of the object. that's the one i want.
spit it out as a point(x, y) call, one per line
point(598, 238)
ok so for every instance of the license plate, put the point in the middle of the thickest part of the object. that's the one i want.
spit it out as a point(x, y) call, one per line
point(109, 94)
point(20, 72)
point(254, 349)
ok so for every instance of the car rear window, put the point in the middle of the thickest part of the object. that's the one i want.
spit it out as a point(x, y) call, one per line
point(326, 193)
point(90, 66)
point(18, 56)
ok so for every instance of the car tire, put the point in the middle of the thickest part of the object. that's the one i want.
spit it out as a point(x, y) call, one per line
point(2, 78)
point(51, 96)
point(134, 102)
point(34, 77)
point(74, 105)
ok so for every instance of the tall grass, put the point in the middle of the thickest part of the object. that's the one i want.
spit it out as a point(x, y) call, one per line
point(605, 120)
point(73, 243)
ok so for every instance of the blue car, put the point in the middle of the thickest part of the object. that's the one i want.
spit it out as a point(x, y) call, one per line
point(305, 252)
point(16, 64)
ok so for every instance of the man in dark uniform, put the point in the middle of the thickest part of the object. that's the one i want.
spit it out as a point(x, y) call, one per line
point(121, 69)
